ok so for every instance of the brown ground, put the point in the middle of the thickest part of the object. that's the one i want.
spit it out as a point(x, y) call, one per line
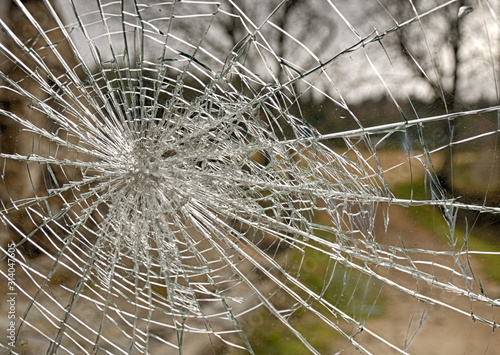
point(421, 328)
point(434, 329)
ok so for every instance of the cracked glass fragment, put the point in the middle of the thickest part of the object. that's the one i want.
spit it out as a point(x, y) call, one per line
point(199, 176)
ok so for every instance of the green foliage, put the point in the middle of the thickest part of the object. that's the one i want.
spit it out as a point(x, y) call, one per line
point(352, 292)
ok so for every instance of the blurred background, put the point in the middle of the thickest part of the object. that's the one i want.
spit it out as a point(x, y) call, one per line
point(355, 71)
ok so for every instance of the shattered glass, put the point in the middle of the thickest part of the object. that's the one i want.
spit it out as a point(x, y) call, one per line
point(249, 177)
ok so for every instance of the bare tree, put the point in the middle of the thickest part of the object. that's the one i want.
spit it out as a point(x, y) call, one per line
point(423, 45)
point(26, 180)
